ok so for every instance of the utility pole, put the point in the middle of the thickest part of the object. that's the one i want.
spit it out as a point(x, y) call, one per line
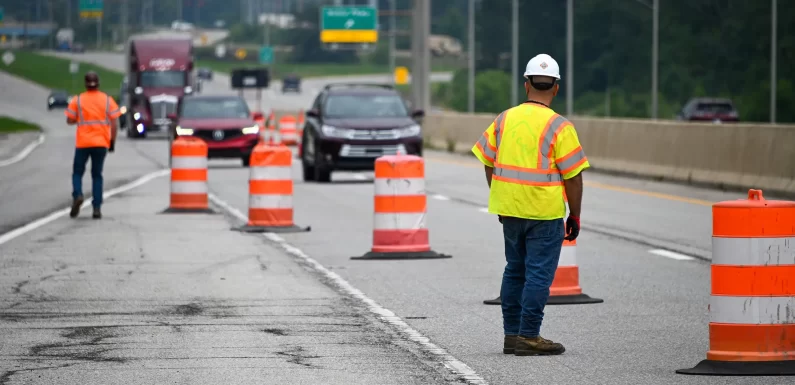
point(68, 13)
point(421, 25)
point(514, 53)
point(124, 21)
point(655, 48)
point(471, 58)
point(179, 9)
point(773, 58)
point(569, 81)
point(392, 46)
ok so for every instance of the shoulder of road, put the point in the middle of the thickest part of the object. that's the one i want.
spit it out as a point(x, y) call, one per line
point(183, 290)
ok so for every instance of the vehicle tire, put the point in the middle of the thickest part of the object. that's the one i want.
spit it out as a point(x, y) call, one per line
point(321, 174)
point(309, 171)
point(246, 161)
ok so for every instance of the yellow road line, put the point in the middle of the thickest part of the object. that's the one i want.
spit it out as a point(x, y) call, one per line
point(603, 186)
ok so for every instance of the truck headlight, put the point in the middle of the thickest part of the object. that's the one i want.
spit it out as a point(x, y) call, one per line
point(251, 130)
point(405, 132)
point(337, 132)
point(137, 116)
point(184, 131)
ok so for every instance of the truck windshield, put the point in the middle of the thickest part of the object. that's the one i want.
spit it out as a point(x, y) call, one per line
point(214, 108)
point(164, 79)
point(365, 106)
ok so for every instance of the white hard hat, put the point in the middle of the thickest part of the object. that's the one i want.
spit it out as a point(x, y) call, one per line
point(542, 65)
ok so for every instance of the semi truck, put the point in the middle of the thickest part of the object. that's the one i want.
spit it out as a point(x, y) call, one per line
point(159, 75)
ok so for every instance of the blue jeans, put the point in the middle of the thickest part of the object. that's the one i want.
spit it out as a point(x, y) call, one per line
point(97, 155)
point(532, 251)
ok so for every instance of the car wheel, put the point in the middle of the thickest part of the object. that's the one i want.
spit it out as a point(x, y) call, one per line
point(321, 173)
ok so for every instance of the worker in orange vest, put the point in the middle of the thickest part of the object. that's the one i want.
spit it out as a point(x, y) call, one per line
point(95, 113)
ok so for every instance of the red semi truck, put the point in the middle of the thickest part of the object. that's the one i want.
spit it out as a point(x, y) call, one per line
point(159, 74)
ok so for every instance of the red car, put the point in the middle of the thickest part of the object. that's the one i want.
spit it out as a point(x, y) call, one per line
point(223, 122)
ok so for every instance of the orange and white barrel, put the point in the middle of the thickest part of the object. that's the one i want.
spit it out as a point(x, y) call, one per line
point(301, 122)
point(399, 228)
point(288, 130)
point(752, 301)
point(189, 175)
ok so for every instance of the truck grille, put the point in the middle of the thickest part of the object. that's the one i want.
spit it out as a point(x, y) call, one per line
point(161, 106)
point(360, 151)
point(207, 135)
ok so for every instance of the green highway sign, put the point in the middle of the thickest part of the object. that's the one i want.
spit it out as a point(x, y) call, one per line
point(2, 13)
point(90, 9)
point(266, 55)
point(349, 25)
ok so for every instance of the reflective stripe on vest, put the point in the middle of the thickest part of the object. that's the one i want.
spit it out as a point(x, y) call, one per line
point(82, 122)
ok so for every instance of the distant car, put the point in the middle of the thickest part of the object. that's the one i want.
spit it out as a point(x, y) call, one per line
point(350, 125)
point(78, 48)
point(223, 122)
point(58, 98)
point(291, 83)
point(709, 109)
point(204, 73)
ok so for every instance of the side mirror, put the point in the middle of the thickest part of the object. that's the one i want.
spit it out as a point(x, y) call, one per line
point(257, 116)
point(418, 114)
point(172, 117)
point(313, 113)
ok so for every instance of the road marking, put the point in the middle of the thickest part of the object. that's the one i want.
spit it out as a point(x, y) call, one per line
point(603, 186)
point(671, 254)
point(440, 197)
point(62, 212)
point(24, 153)
point(484, 210)
point(454, 365)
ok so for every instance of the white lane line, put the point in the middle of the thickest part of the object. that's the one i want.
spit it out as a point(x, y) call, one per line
point(24, 153)
point(671, 254)
point(454, 365)
point(484, 210)
point(62, 212)
point(441, 197)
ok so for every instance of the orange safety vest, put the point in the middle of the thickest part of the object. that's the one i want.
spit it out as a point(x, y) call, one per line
point(93, 111)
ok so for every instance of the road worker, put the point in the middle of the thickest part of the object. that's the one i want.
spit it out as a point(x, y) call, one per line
point(531, 155)
point(95, 113)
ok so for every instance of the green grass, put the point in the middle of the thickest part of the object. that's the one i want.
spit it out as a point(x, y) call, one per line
point(8, 125)
point(309, 70)
point(53, 73)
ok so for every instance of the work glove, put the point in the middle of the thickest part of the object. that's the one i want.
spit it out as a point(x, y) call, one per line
point(499, 218)
point(572, 228)
point(112, 147)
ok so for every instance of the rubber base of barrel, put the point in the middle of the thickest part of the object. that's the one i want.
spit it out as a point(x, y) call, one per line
point(579, 299)
point(172, 210)
point(273, 229)
point(742, 368)
point(402, 255)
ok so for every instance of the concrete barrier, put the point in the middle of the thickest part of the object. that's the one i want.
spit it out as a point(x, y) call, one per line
point(731, 156)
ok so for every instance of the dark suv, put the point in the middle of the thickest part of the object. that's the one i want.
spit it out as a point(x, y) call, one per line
point(350, 125)
point(710, 110)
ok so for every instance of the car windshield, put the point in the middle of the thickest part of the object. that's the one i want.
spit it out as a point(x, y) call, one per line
point(215, 109)
point(715, 108)
point(59, 94)
point(164, 79)
point(365, 106)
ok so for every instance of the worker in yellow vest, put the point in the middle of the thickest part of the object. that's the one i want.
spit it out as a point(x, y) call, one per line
point(531, 155)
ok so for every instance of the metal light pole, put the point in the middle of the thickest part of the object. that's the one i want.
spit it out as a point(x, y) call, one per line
point(392, 47)
point(655, 48)
point(773, 58)
point(68, 13)
point(179, 9)
point(471, 75)
point(124, 21)
point(569, 58)
point(514, 52)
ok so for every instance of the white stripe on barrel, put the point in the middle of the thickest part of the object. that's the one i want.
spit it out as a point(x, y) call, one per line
point(399, 187)
point(189, 162)
point(271, 173)
point(178, 187)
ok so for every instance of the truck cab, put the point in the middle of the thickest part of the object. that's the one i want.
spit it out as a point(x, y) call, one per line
point(159, 75)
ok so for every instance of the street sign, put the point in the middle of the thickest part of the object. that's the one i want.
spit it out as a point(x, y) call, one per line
point(8, 58)
point(266, 55)
point(349, 25)
point(90, 9)
point(240, 53)
point(2, 14)
point(204, 40)
point(74, 67)
point(220, 51)
point(401, 75)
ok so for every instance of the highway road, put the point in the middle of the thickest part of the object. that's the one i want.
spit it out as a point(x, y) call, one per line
point(654, 318)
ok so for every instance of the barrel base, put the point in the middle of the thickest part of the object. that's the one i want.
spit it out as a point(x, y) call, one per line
point(495, 301)
point(177, 210)
point(273, 229)
point(742, 368)
point(430, 254)
point(577, 299)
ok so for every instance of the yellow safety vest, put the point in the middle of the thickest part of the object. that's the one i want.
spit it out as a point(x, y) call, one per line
point(532, 150)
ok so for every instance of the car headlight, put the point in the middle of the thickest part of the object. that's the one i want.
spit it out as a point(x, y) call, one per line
point(184, 131)
point(137, 116)
point(251, 130)
point(337, 132)
point(405, 132)
point(51, 100)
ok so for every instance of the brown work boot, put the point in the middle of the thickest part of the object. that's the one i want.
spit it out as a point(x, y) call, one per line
point(76, 203)
point(509, 344)
point(537, 346)
point(97, 213)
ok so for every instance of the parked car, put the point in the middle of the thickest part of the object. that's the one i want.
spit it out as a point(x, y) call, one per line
point(223, 122)
point(709, 109)
point(350, 125)
point(204, 73)
point(58, 98)
point(291, 83)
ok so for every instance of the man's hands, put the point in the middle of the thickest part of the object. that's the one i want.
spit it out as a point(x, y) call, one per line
point(572, 228)
point(112, 147)
point(499, 218)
